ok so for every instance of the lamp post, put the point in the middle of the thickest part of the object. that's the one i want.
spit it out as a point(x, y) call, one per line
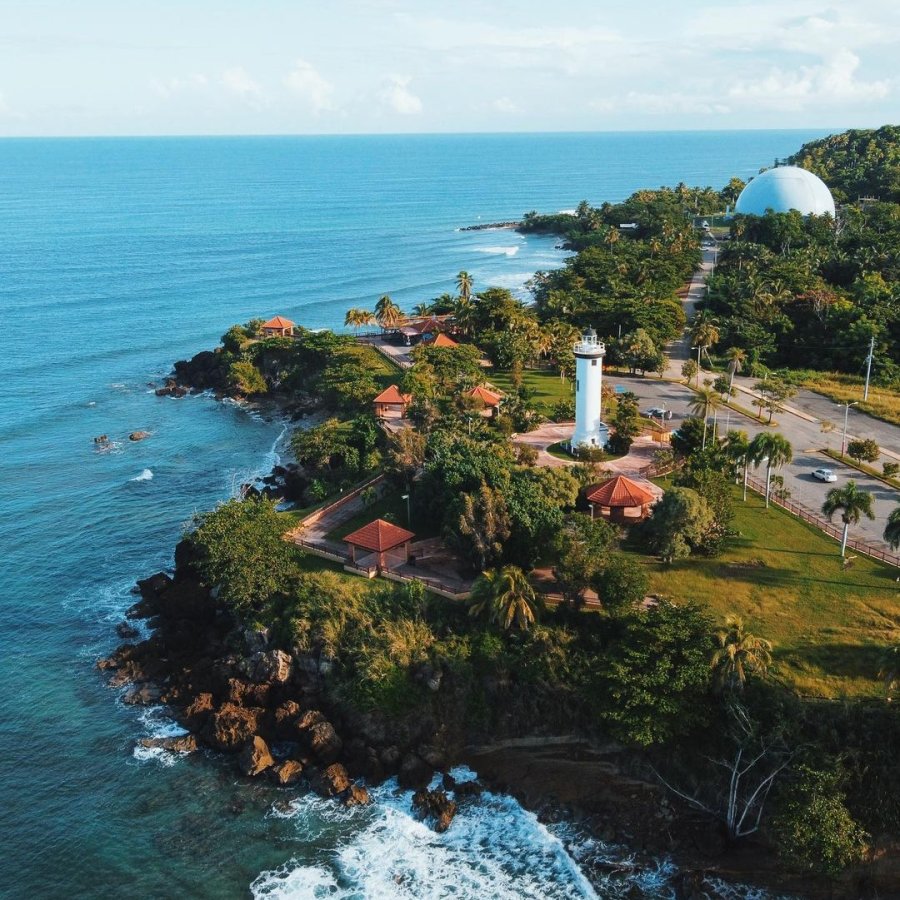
point(408, 516)
point(847, 406)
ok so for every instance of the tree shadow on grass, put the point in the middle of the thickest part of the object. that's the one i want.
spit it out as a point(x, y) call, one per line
point(844, 660)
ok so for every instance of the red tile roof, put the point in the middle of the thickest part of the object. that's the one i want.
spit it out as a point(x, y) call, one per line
point(379, 536)
point(442, 340)
point(278, 322)
point(620, 492)
point(486, 395)
point(392, 395)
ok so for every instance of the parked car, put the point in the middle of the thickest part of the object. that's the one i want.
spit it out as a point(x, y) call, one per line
point(655, 412)
point(825, 475)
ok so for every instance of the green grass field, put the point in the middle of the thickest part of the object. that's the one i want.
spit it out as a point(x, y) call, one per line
point(548, 388)
point(829, 625)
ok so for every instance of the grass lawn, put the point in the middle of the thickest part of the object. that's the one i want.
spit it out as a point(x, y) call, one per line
point(883, 403)
point(548, 388)
point(829, 626)
point(384, 371)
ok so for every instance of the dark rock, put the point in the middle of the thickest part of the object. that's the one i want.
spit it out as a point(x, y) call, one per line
point(437, 806)
point(255, 757)
point(138, 435)
point(414, 772)
point(286, 716)
point(432, 755)
point(256, 639)
point(390, 758)
point(199, 709)
point(246, 693)
point(142, 695)
point(126, 631)
point(185, 744)
point(331, 781)
point(151, 587)
point(323, 742)
point(273, 667)
point(287, 772)
point(356, 796)
point(231, 727)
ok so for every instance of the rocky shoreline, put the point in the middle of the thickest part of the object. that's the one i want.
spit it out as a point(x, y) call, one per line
point(269, 711)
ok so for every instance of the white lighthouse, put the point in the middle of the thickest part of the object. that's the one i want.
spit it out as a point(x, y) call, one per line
point(589, 428)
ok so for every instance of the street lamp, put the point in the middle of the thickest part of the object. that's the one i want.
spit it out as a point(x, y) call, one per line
point(847, 406)
point(408, 517)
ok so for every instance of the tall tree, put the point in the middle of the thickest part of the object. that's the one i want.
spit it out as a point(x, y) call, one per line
point(892, 529)
point(705, 401)
point(853, 505)
point(737, 357)
point(387, 313)
point(773, 449)
point(737, 654)
point(505, 598)
point(484, 524)
point(464, 285)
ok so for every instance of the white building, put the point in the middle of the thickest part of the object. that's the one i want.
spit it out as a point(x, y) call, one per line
point(785, 188)
point(589, 427)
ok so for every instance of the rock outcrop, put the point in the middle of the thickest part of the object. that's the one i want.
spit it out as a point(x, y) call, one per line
point(435, 807)
point(255, 757)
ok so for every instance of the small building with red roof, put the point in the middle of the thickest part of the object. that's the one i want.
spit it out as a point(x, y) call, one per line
point(441, 340)
point(489, 400)
point(391, 404)
point(278, 326)
point(623, 500)
point(387, 543)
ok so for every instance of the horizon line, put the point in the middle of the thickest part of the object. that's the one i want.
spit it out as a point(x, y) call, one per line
point(413, 134)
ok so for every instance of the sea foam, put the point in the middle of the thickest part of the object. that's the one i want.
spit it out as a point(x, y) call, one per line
point(146, 475)
point(499, 251)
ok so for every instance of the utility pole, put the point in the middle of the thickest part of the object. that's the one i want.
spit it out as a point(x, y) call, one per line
point(869, 366)
point(847, 406)
point(699, 351)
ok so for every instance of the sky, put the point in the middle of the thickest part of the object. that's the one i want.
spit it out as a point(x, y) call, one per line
point(133, 67)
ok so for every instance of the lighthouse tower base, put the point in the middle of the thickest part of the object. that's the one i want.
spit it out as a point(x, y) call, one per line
point(597, 437)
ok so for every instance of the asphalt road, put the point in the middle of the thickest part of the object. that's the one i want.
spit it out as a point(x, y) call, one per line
point(806, 439)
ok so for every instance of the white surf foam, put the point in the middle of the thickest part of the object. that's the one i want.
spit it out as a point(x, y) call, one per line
point(498, 251)
point(157, 724)
point(146, 475)
point(494, 848)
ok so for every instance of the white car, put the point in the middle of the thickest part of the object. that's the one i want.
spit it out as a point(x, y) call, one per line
point(825, 475)
point(655, 412)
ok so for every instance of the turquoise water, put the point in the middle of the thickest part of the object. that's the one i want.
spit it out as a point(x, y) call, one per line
point(119, 256)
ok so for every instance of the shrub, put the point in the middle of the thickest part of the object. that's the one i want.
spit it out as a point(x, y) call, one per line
point(622, 583)
point(814, 828)
point(863, 450)
point(246, 379)
point(890, 469)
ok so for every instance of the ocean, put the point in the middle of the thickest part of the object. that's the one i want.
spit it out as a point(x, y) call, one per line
point(120, 256)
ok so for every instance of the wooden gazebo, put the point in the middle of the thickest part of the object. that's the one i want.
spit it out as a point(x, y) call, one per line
point(388, 543)
point(490, 400)
point(391, 404)
point(278, 326)
point(621, 500)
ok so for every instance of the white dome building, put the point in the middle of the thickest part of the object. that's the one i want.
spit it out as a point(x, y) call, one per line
point(785, 188)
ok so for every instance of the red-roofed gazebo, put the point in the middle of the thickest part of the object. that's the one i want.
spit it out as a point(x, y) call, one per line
point(381, 538)
point(278, 326)
point(390, 403)
point(622, 499)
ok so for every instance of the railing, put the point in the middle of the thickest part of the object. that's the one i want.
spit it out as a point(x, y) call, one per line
point(818, 521)
point(316, 515)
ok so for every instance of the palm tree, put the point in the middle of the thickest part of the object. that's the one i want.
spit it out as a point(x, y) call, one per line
point(704, 333)
point(464, 315)
point(506, 598)
point(775, 450)
point(737, 654)
point(892, 529)
point(464, 285)
point(387, 313)
point(853, 504)
point(705, 401)
point(737, 449)
point(422, 309)
point(736, 357)
point(890, 670)
point(356, 318)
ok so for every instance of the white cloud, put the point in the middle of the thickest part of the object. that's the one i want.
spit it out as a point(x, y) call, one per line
point(505, 105)
point(238, 81)
point(660, 103)
point(833, 81)
point(396, 96)
point(306, 82)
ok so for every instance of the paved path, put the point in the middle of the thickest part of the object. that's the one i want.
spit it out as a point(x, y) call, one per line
point(680, 351)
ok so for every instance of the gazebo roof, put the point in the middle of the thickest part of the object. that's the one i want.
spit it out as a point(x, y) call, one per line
point(392, 394)
point(426, 326)
point(620, 492)
point(486, 395)
point(278, 322)
point(442, 340)
point(379, 536)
